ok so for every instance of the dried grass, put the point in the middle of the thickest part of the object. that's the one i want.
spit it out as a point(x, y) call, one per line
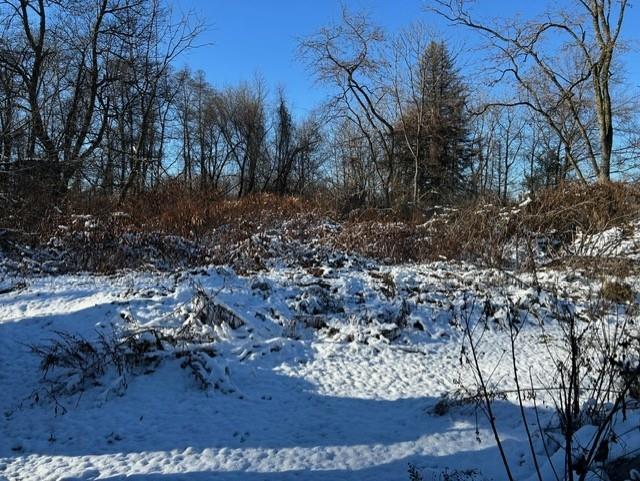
point(186, 227)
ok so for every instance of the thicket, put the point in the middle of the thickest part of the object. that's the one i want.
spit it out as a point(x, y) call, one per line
point(185, 227)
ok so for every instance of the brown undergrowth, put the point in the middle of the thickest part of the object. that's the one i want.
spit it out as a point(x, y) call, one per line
point(185, 227)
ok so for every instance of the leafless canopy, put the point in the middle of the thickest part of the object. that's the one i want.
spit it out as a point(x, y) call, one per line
point(551, 60)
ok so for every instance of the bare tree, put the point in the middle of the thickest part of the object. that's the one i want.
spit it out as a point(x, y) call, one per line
point(158, 41)
point(352, 168)
point(591, 33)
point(350, 57)
point(410, 93)
point(509, 148)
point(52, 65)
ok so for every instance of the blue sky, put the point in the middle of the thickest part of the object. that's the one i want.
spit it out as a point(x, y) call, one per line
point(249, 37)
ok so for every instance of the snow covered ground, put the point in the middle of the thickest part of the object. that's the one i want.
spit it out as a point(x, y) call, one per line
point(333, 375)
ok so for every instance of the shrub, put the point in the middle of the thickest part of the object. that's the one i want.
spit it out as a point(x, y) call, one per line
point(555, 223)
point(617, 292)
point(71, 363)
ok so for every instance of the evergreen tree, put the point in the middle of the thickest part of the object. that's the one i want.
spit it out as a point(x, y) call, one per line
point(441, 128)
point(445, 124)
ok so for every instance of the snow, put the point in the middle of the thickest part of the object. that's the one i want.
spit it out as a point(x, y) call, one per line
point(617, 241)
point(353, 400)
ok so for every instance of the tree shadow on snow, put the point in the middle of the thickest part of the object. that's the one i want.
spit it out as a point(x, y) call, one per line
point(165, 412)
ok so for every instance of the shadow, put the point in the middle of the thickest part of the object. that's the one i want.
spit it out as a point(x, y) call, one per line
point(281, 425)
point(166, 412)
